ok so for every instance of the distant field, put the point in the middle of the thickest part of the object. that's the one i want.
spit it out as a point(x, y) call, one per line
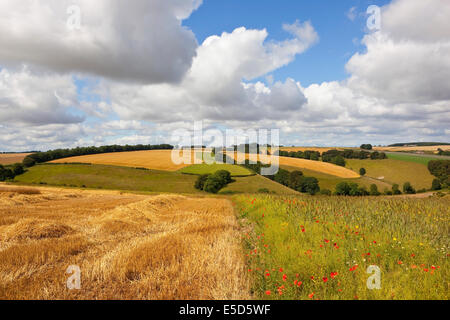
point(320, 149)
point(153, 159)
point(394, 171)
point(199, 169)
point(127, 246)
point(418, 148)
point(329, 182)
point(319, 166)
point(10, 158)
point(411, 158)
point(321, 247)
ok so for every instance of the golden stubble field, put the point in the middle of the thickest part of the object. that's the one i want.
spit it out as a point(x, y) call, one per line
point(10, 158)
point(127, 246)
point(417, 148)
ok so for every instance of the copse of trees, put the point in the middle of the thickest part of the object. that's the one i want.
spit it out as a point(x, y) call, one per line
point(213, 183)
point(40, 157)
point(362, 172)
point(366, 147)
point(408, 188)
point(441, 170)
point(9, 172)
point(297, 181)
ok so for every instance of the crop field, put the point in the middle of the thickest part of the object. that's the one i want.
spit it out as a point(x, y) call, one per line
point(394, 171)
point(199, 169)
point(422, 159)
point(152, 159)
point(327, 181)
point(319, 149)
point(321, 248)
point(412, 149)
point(126, 246)
point(10, 158)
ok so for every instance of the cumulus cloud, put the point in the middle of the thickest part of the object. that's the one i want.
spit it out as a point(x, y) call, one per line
point(32, 98)
point(218, 86)
point(139, 40)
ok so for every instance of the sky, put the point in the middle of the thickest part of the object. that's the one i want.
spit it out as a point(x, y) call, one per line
point(325, 73)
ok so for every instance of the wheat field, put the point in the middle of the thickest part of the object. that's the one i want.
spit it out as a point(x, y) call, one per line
point(10, 158)
point(417, 148)
point(151, 159)
point(126, 246)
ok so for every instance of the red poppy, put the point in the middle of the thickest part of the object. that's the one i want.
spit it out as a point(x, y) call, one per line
point(268, 292)
point(400, 262)
point(311, 295)
point(333, 275)
point(325, 279)
point(284, 277)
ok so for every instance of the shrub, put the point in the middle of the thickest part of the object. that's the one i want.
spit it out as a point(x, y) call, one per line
point(310, 185)
point(436, 185)
point(374, 190)
point(396, 189)
point(342, 189)
point(325, 192)
point(362, 171)
point(366, 147)
point(213, 184)
point(200, 183)
point(263, 190)
point(408, 188)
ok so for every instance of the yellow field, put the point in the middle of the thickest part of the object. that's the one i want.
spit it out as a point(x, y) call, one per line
point(153, 159)
point(10, 158)
point(126, 246)
point(319, 149)
point(425, 148)
point(318, 166)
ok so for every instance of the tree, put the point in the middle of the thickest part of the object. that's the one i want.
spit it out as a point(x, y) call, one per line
point(366, 147)
point(28, 162)
point(213, 184)
point(282, 177)
point(310, 185)
point(374, 190)
point(396, 189)
point(225, 176)
point(362, 171)
point(296, 180)
point(339, 160)
point(18, 169)
point(342, 189)
point(436, 185)
point(408, 188)
point(200, 183)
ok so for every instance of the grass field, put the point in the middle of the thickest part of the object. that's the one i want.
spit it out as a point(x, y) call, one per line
point(152, 159)
point(10, 158)
point(254, 184)
point(109, 177)
point(126, 246)
point(320, 248)
point(327, 181)
point(199, 169)
point(394, 171)
point(410, 158)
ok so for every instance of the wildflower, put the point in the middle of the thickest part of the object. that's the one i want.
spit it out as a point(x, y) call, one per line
point(299, 283)
point(284, 277)
point(325, 279)
point(267, 274)
point(311, 295)
point(268, 292)
point(333, 275)
point(326, 240)
point(400, 262)
point(413, 266)
point(281, 269)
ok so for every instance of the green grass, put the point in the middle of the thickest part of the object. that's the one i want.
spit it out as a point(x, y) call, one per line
point(310, 239)
point(254, 184)
point(109, 177)
point(199, 169)
point(329, 182)
point(394, 171)
point(410, 158)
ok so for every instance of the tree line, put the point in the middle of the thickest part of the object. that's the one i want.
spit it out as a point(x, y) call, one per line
point(50, 155)
point(441, 170)
point(11, 171)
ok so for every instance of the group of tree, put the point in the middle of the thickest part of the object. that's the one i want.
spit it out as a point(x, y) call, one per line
point(307, 154)
point(10, 172)
point(441, 170)
point(443, 153)
point(366, 147)
point(213, 183)
point(40, 157)
point(297, 181)
point(353, 189)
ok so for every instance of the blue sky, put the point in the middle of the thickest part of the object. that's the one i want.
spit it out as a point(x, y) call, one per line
point(325, 61)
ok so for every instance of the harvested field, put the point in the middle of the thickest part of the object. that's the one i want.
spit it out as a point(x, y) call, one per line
point(412, 149)
point(319, 149)
point(127, 246)
point(153, 159)
point(10, 158)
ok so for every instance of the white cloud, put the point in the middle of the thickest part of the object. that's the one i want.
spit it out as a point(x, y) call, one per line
point(351, 13)
point(139, 40)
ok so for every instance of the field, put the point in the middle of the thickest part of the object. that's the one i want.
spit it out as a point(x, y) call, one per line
point(412, 149)
point(394, 171)
point(320, 248)
point(153, 159)
point(126, 246)
point(319, 149)
point(254, 184)
point(10, 158)
point(327, 181)
point(414, 158)
point(199, 169)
